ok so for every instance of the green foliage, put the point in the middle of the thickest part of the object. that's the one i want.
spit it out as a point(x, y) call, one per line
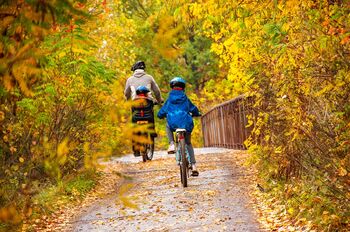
point(60, 118)
point(171, 46)
point(24, 24)
point(80, 185)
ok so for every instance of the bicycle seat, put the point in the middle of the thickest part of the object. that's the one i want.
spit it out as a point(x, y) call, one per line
point(180, 130)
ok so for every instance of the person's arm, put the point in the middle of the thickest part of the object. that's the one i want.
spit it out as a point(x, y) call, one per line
point(193, 109)
point(163, 111)
point(127, 90)
point(156, 90)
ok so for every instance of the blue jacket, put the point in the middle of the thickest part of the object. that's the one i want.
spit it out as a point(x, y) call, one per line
point(178, 110)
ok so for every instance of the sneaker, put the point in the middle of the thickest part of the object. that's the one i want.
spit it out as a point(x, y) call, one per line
point(171, 149)
point(194, 172)
point(136, 153)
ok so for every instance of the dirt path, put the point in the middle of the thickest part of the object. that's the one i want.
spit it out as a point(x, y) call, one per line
point(216, 200)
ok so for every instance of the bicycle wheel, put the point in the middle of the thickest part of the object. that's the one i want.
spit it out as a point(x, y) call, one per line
point(144, 153)
point(181, 177)
point(150, 150)
point(184, 165)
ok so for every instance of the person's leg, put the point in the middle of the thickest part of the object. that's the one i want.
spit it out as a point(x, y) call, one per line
point(191, 154)
point(190, 148)
point(170, 135)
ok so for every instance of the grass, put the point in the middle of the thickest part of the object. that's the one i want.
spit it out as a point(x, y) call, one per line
point(5, 227)
point(52, 197)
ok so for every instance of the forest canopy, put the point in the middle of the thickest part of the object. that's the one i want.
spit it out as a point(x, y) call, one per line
point(63, 66)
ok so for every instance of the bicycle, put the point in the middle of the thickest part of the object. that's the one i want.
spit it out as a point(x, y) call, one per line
point(182, 156)
point(143, 118)
point(146, 149)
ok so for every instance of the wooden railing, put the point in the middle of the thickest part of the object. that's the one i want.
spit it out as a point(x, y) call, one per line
point(225, 124)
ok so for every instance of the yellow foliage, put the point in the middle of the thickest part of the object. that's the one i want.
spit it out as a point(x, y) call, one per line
point(166, 37)
point(7, 81)
point(10, 214)
point(342, 171)
point(62, 151)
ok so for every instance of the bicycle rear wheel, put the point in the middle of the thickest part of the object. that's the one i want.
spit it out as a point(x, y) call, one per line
point(183, 165)
point(150, 150)
point(144, 153)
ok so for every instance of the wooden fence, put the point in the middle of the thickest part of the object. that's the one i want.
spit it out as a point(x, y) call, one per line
point(225, 124)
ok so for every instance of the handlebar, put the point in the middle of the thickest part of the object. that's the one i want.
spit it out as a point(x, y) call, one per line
point(196, 116)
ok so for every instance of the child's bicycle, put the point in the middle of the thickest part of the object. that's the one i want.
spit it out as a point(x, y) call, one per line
point(182, 156)
point(143, 137)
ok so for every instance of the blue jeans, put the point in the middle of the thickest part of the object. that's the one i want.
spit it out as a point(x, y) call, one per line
point(187, 141)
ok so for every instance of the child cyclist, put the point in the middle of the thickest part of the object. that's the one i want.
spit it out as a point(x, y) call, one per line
point(178, 110)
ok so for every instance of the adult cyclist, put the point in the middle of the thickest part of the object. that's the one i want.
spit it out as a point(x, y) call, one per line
point(141, 83)
point(141, 78)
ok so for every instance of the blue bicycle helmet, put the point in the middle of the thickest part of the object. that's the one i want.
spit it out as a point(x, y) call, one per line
point(178, 82)
point(142, 90)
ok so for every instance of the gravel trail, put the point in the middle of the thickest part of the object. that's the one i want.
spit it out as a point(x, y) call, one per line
point(152, 198)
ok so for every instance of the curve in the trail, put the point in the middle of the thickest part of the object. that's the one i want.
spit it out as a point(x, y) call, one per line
point(216, 200)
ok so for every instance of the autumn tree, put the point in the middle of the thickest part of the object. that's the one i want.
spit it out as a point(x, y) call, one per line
point(56, 99)
point(292, 57)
